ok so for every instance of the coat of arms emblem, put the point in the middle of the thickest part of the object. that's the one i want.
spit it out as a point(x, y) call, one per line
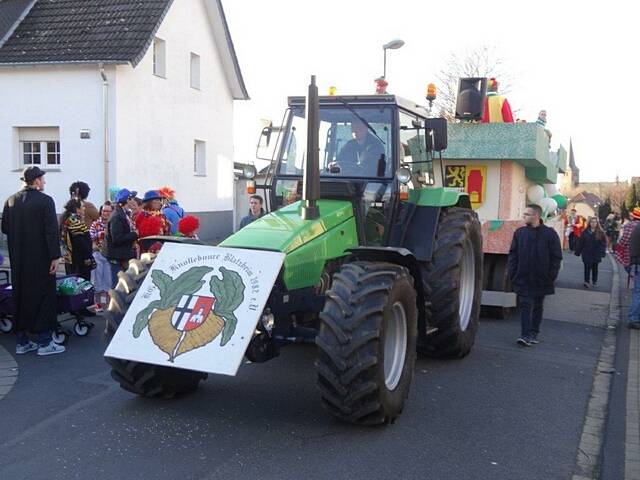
point(182, 319)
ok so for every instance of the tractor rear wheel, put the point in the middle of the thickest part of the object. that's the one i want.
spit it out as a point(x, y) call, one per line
point(453, 284)
point(367, 342)
point(136, 377)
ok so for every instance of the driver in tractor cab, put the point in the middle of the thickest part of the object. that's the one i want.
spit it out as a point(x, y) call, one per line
point(364, 154)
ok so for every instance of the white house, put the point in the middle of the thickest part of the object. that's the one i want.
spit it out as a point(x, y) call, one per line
point(121, 93)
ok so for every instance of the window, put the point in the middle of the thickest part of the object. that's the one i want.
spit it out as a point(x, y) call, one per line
point(199, 158)
point(53, 153)
point(195, 71)
point(413, 149)
point(39, 146)
point(354, 142)
point(159, 57)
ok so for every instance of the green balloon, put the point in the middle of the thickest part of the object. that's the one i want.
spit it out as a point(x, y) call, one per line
point(561, 200)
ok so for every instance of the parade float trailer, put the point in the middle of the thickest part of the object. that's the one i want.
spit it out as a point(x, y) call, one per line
point(500, 166)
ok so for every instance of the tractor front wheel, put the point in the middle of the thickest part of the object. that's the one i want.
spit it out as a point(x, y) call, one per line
point(367, 342)
point(136, 377)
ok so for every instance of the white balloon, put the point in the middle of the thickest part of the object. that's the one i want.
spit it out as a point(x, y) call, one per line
point(551, 189)
point(535, 193)
point(548, 205)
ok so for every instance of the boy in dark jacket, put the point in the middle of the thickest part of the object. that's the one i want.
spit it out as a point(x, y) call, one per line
point(534, 262)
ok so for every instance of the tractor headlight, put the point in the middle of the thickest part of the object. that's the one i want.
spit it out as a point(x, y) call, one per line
point(404, 175)
point(249, 172)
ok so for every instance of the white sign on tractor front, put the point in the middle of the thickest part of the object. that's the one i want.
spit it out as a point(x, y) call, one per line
point(197, 308)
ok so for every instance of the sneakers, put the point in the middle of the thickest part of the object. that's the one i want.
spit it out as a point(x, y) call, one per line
point(51, 349)
point(26, 348)
point(594, 284)
point(534, 339)
point(523, 341)
point(585, 284)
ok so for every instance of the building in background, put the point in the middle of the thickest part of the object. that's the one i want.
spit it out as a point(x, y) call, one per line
point(571, 177)
point(585, 203)
point(121, 93)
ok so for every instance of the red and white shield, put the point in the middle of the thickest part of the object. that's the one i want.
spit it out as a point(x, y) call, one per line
point(191, 312)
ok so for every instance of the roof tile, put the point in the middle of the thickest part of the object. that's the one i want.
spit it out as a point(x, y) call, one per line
point(83, 30)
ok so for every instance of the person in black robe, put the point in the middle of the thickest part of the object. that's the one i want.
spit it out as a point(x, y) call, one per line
point(30, 223)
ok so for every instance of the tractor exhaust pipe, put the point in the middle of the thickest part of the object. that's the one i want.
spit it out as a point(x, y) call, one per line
point(311, 190)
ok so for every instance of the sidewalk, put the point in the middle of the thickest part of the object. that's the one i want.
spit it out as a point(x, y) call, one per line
point(632, 417)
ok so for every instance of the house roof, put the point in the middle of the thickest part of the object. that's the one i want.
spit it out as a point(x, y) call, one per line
point(11, 12)
point(98, 31)
point(589, 198)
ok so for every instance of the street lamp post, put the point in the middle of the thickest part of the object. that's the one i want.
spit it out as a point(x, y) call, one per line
point(393, 45)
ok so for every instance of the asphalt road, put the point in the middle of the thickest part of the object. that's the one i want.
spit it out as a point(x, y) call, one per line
point(503, 412)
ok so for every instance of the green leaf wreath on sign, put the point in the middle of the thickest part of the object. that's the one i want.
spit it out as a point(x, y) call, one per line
point(181, 321)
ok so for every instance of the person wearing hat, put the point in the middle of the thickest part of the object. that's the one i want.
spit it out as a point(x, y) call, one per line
point(151, 205)
point(121, 235)
point(171, 209)
point(627, 252)
point(496, 107)
point(30, 223)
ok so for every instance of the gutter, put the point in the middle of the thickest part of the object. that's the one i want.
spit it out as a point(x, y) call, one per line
point(105, 128)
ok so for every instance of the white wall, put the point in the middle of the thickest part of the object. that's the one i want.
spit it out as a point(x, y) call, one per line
point(158, 119)
point(68, 97)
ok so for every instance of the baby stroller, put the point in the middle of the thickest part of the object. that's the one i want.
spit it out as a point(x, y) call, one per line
point(73, 294)
point(6, 323)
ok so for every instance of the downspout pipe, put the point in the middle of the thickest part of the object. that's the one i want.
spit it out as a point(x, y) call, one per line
point(105, 129)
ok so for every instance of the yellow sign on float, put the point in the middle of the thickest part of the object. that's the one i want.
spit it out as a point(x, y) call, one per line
point(468, 178)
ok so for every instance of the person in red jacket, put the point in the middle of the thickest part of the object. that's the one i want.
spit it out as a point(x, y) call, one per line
point(496, 107)
point(579, 226)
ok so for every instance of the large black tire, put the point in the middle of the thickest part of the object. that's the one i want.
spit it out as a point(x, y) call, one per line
point(142, 378)
point(367, 342)
point(453, 284)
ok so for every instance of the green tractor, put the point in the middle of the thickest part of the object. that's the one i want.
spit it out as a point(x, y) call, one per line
point(381, 263)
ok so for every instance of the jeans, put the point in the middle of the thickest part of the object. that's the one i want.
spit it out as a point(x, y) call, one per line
point(634, 308)
point(530, 315)
point(115, 268)
point(591, 271)
point(44, 338)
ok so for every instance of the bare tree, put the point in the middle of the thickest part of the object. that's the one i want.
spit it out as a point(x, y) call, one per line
point(482, 61)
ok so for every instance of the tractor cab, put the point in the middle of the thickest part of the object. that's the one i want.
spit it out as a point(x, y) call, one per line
point(371, 150)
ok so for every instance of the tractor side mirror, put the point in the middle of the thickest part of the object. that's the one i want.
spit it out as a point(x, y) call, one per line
point(267, 142)
point(265, 137)
point(436, 132)
point(263, 152)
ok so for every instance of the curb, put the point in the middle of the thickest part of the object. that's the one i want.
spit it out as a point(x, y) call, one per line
point(589, 456)
point(8, 372)
point(632, 417)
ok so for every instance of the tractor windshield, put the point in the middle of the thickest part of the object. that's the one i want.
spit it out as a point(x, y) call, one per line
point(355, 142)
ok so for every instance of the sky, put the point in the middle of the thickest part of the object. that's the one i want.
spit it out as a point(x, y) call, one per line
point(577, 60)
